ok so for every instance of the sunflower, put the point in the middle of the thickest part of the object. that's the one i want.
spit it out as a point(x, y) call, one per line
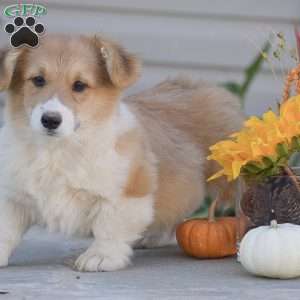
point(262, 146)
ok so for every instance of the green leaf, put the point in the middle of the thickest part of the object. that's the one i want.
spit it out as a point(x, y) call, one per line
point(202, 211)
point(252, 168)
point(268, 162)
point(296, 143)
point(270, 172)
point(283, 161)
point(233, 87)
point(282, 150)
point(253, 69)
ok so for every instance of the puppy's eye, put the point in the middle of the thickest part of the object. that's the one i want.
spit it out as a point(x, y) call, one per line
point(38, 81)
point(79, 86)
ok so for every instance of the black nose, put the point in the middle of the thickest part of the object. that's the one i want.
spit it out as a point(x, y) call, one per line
point(51, 120)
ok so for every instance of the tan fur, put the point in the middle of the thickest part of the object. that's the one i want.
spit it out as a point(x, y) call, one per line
point(181, 119)
point(128, 142)
point(139, 182)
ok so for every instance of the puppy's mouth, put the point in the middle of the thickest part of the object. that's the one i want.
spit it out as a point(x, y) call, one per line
point(52, 133)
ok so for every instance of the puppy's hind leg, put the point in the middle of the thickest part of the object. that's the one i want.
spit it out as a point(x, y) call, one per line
point(15, 219)
point(157, 240)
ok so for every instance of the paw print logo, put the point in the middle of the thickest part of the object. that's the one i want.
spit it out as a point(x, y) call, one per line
point(24, 32)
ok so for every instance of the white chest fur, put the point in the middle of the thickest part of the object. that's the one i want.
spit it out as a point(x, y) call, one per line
point(65, 182)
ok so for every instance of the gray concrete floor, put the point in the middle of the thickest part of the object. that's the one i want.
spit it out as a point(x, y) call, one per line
point(37, 271)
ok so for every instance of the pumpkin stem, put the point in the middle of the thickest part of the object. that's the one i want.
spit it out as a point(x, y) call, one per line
point(212, 209)
point(274, 224)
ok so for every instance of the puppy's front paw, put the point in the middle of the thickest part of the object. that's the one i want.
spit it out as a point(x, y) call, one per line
point(95, 260)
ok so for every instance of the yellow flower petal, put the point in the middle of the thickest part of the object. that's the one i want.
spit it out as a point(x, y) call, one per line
point(216, 175)
point(258, 138)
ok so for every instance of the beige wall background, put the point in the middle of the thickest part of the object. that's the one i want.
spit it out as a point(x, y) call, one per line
point(212, 40)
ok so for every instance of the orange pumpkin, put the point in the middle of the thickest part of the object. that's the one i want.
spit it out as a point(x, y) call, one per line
point(208, 238)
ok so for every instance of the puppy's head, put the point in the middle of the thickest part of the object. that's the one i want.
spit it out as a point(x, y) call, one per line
point(66, 84)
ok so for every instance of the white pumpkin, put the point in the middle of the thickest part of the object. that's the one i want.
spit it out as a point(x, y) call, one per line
point(272, 251)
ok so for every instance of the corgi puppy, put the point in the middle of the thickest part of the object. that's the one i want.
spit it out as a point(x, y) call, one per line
point(78, 158)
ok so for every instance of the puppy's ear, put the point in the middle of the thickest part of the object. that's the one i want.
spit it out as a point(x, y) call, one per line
point(8, 62)
point(123, 68)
